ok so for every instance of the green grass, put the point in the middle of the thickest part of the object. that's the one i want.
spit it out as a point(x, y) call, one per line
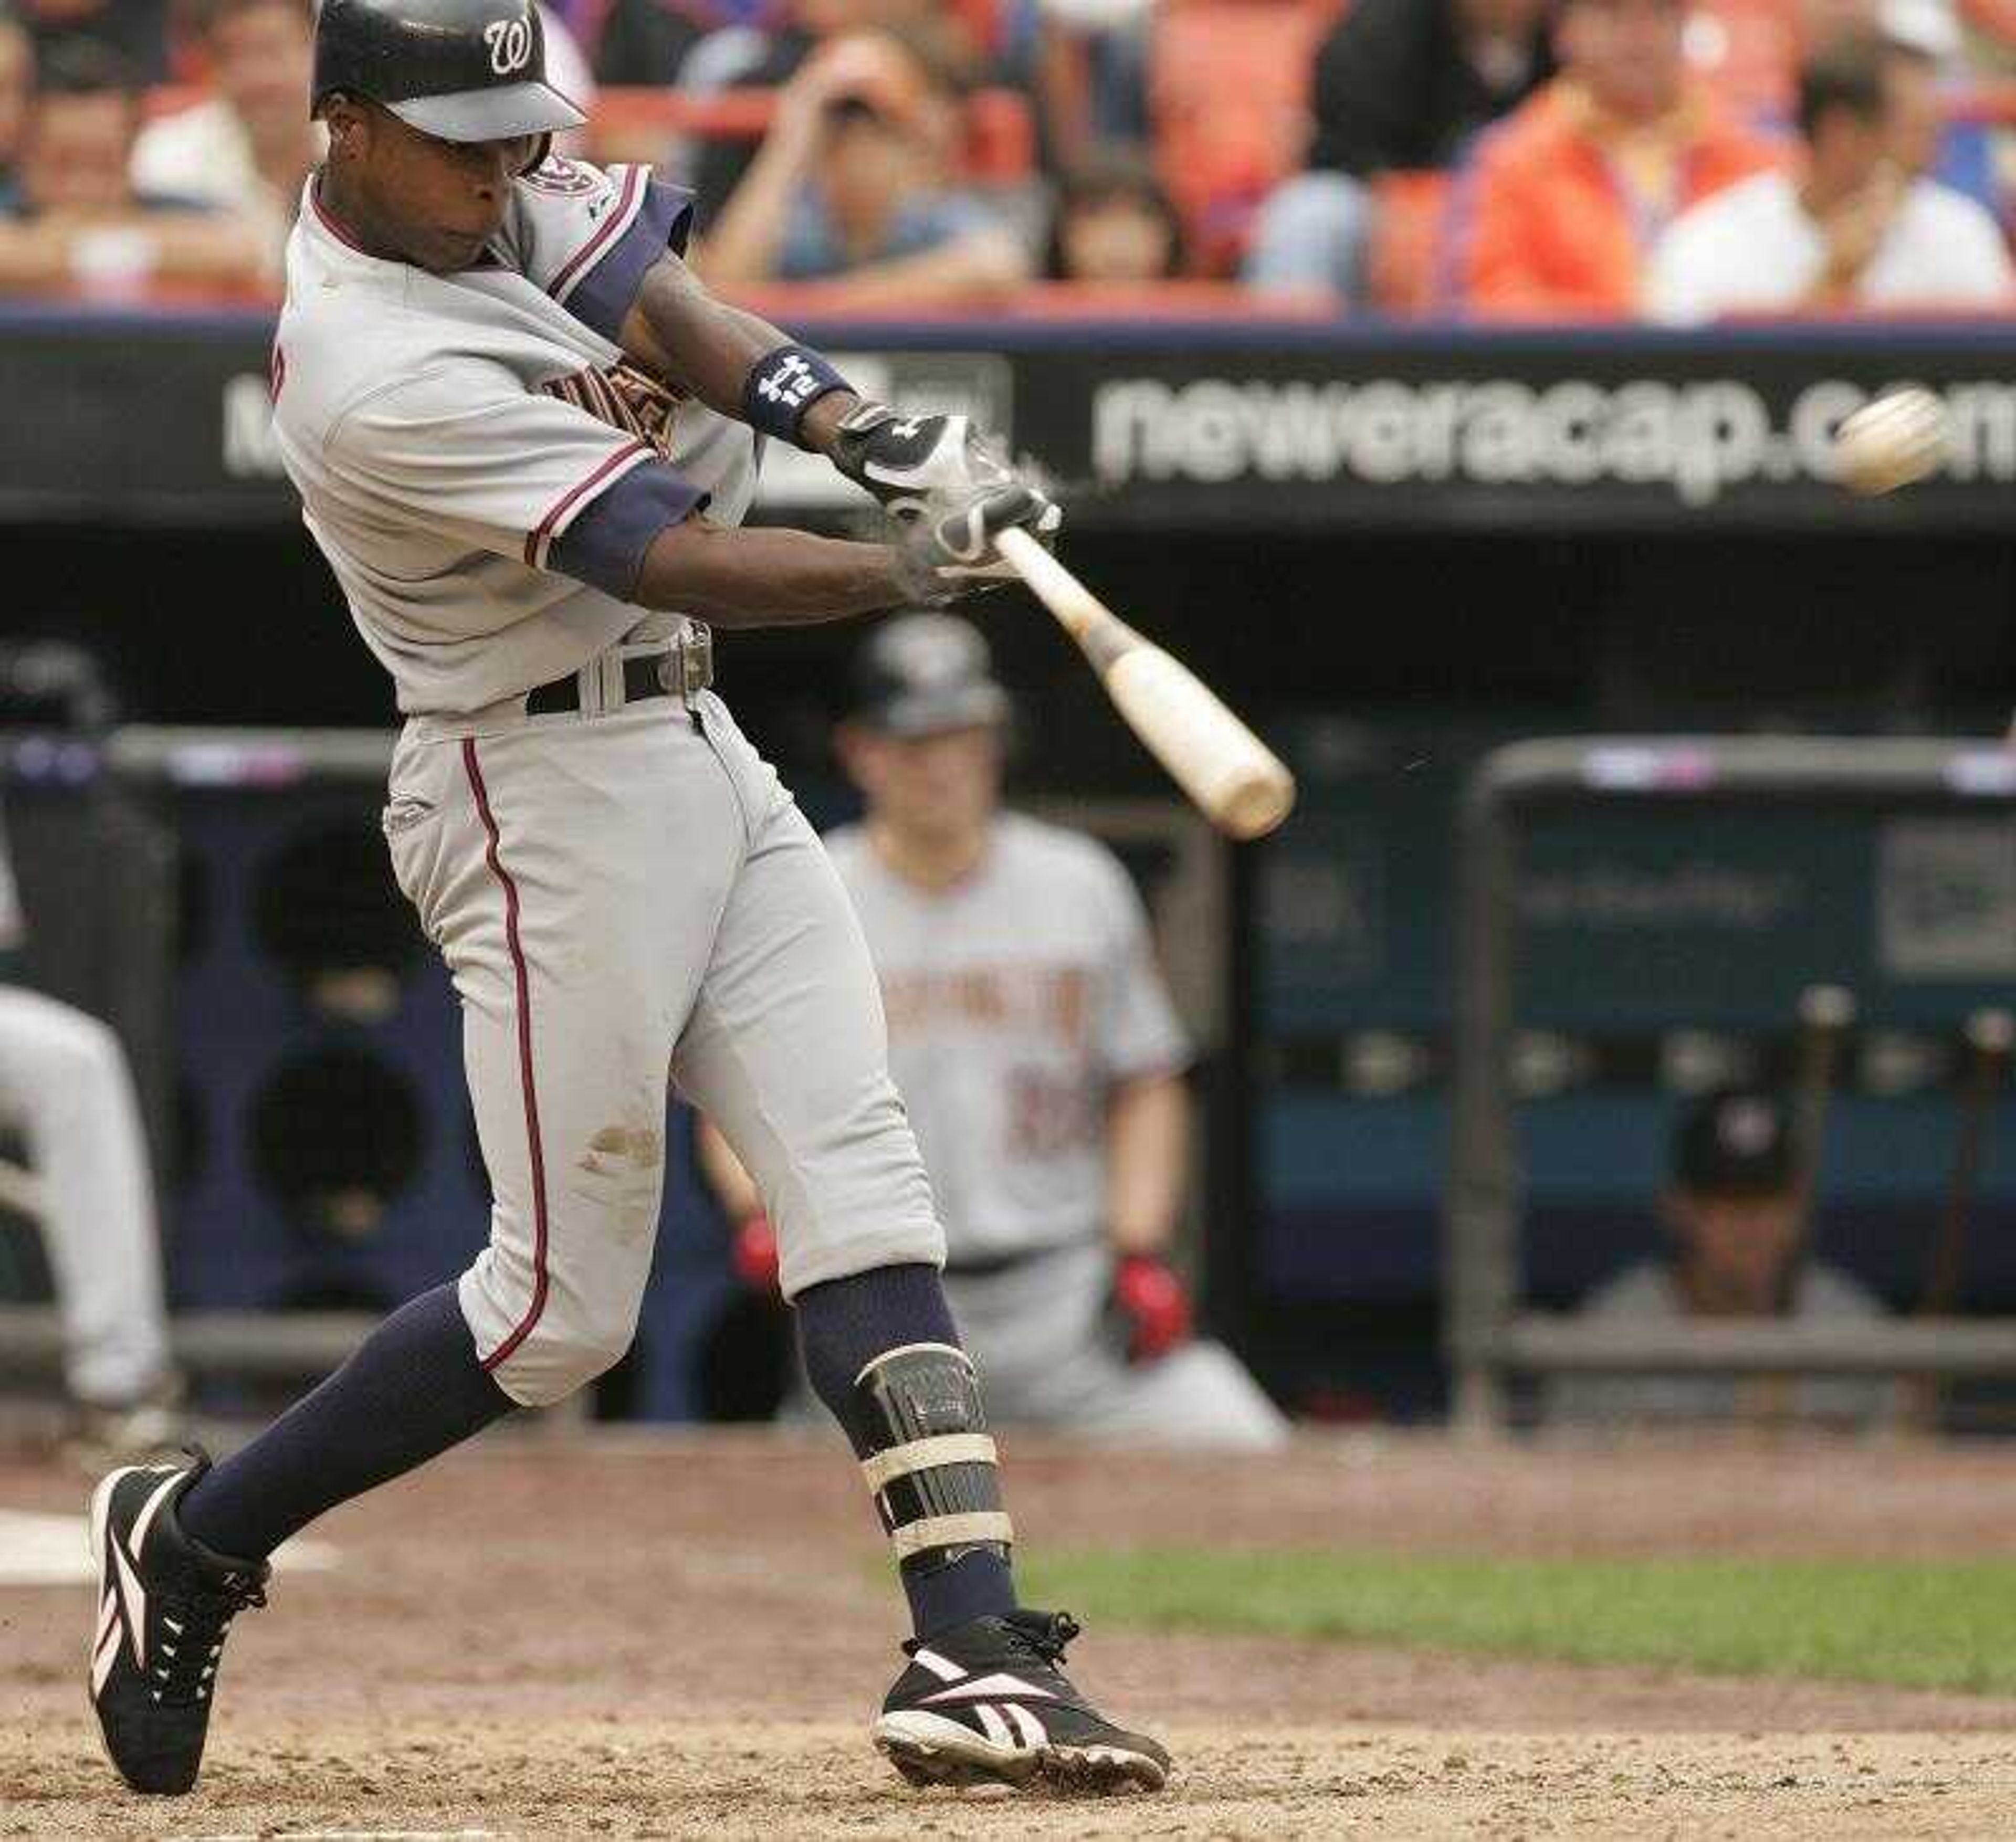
point(1933, 1625)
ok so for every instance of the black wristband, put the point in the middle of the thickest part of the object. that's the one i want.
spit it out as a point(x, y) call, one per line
point(783, 385)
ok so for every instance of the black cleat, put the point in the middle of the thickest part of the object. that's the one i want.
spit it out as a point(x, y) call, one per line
point(165, 1603)
point(987, 1703)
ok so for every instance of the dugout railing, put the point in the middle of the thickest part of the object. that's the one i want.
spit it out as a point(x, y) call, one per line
point(1490, 1336)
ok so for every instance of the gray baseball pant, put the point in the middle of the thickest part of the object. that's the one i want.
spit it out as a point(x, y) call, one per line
point(622, 898)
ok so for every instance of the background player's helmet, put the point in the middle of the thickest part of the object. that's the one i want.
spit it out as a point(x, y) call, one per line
point(924, 673)
point(458, 69)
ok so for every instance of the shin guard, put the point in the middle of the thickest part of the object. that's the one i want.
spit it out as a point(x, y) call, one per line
point(915, 1417)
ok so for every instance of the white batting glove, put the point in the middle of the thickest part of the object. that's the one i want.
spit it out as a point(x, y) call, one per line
point(949, 547)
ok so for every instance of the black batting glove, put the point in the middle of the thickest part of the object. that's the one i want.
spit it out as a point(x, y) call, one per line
point(908, 460)
point(948, 548)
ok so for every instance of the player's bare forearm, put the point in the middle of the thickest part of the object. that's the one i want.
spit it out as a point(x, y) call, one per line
point(705, 346)
point(733, 1187)
point(1147, 1138)
point(767, 577)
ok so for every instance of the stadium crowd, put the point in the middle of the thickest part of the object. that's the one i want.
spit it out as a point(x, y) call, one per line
point(1674, 160)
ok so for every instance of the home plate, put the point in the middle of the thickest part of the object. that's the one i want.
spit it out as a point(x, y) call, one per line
point(55, 1551)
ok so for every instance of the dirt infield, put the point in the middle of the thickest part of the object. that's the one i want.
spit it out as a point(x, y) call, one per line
point(685, 1637)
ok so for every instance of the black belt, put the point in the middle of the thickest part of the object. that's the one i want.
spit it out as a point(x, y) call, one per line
point(683, 670)
point(993, 1265)
point(987, 1269)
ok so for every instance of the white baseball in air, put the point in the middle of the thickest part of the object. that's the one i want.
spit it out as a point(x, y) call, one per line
point(1898, 438)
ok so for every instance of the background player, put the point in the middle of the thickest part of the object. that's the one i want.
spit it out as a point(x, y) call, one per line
point(66, 1088)
point(1035, 1045)
point(1735, 1220)
point(488, 364)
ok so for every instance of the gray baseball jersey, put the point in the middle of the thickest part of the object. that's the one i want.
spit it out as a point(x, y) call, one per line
point(477, 459)
point(1015, 1000)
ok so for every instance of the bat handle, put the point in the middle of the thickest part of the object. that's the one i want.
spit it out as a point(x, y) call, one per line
point(1076, 608)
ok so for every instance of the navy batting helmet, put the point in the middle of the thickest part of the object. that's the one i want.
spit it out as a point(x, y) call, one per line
point(458, 69)
point(923, 673)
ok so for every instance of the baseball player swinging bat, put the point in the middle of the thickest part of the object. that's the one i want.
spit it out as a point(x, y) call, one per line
point(1232, 776)
point(525, 434)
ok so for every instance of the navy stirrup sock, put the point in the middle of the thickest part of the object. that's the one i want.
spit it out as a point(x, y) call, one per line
point(412, 1389)
point(843, 1326)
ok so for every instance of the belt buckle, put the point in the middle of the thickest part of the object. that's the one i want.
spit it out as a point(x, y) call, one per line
point(687, 668)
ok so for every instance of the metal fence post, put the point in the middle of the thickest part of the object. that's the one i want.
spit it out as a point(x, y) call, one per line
point(1480, 1239)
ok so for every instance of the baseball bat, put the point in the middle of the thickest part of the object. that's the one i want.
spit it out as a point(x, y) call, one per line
point(1827, 1013)
point(1230, 774)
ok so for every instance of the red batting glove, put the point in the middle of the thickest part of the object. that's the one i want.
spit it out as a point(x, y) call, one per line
point(753, 1252)
point(1152, 1306)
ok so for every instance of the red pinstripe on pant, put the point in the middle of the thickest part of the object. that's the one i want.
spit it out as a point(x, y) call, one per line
point(475, 770)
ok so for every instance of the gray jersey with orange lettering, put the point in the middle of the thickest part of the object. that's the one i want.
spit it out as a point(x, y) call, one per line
point(1016, 999)
point(478, 459)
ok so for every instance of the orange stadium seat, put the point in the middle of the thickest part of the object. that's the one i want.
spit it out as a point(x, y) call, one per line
point(1228, 89)
point(1000, 136)
point(1995, 19)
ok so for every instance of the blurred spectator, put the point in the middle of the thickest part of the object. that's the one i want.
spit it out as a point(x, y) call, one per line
point(745, 56)
point(1855, 225)
point(78, 223)
point(1566, 197)
point(1092, 75)
point(1914, 110)
point(137, 30)
point(1114, 226)
point(644, 43)
point(1400, 85)
point(1964, 153)
point(249, 149)
point(849, 183)
point(17, 87)
point(1735, 1217)
point(1930, 28)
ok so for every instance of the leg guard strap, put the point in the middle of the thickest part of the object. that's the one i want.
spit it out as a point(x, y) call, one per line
point(914, 1412)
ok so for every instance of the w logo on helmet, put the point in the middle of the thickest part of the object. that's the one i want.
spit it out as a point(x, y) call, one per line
point(510, 42)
